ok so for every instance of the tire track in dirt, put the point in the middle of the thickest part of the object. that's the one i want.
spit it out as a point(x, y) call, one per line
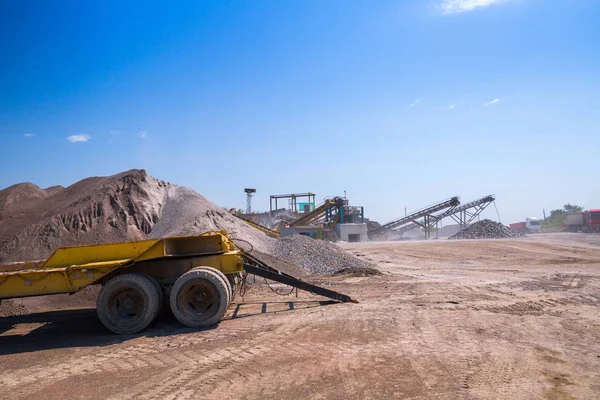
point(436, 340)
point(137, 354)
point(208, 369)
point(480, 366)
point(344, 354)
point(551, 306)
point(347, 358)
point(203, 370)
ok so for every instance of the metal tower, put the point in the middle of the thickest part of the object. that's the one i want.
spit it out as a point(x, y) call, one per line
point(249, 193)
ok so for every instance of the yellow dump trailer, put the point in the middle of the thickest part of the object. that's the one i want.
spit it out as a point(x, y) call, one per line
point(195, 274)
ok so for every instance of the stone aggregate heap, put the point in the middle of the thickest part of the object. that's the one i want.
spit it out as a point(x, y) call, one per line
point(486, 229)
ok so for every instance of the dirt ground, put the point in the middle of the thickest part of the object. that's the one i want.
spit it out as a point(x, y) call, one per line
point(491, 319)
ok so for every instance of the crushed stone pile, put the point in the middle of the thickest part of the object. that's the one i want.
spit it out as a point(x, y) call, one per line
point(317, 257)
point(486, 229)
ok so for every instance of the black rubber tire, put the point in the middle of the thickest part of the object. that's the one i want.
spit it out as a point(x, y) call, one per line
point(113, 303)
point(231, 279)
point(199, 298)
point(159, 291)
point(224, 279)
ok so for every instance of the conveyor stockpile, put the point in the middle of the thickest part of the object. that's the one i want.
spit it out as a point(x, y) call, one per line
point(461, 214)
point(425, 213)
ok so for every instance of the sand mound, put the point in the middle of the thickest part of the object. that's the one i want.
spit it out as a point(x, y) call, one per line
point(124, 207)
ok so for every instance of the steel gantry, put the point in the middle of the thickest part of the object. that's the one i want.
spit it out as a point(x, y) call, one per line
point(293, 201)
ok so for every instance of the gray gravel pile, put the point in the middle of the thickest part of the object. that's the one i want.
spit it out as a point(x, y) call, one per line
point(317, 257)
point(486, 229)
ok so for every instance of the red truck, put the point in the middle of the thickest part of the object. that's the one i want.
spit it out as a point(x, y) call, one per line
point(587, 221)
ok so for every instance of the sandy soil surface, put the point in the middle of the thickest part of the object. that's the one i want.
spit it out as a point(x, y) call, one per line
point(489, 319)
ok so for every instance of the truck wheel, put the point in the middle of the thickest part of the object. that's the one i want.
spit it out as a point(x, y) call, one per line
point(127, 303)
point(231, 278)
point(224, 279)
point(199, 298)
point(159, 291)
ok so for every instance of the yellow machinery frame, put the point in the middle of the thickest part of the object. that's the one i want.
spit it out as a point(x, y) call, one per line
point(71, 269)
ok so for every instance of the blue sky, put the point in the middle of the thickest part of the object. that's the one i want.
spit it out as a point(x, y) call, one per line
point(400, 103)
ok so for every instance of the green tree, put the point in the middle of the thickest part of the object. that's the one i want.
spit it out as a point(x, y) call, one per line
point(572, 208)
point(558, 218)
point(558, 213)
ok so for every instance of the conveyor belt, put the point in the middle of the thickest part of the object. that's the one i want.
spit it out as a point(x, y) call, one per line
point(266, 230)
point(317, 213)
point(479, 205)
point(383, 229)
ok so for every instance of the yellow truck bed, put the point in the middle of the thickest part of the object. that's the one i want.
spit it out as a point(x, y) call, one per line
point(71, 269)
point(195, 275)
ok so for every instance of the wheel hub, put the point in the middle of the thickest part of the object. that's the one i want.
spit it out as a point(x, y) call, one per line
point(127, 304)
point(198, 298)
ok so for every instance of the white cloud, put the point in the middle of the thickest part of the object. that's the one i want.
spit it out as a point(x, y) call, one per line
point(489, 103)
point(29, 135)
point(451, 106)
point(459, 6)
point(143, 134)
point(78, 138)
point(414, 103)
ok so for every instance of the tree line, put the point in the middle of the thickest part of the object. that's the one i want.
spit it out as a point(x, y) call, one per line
point(558, 217)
